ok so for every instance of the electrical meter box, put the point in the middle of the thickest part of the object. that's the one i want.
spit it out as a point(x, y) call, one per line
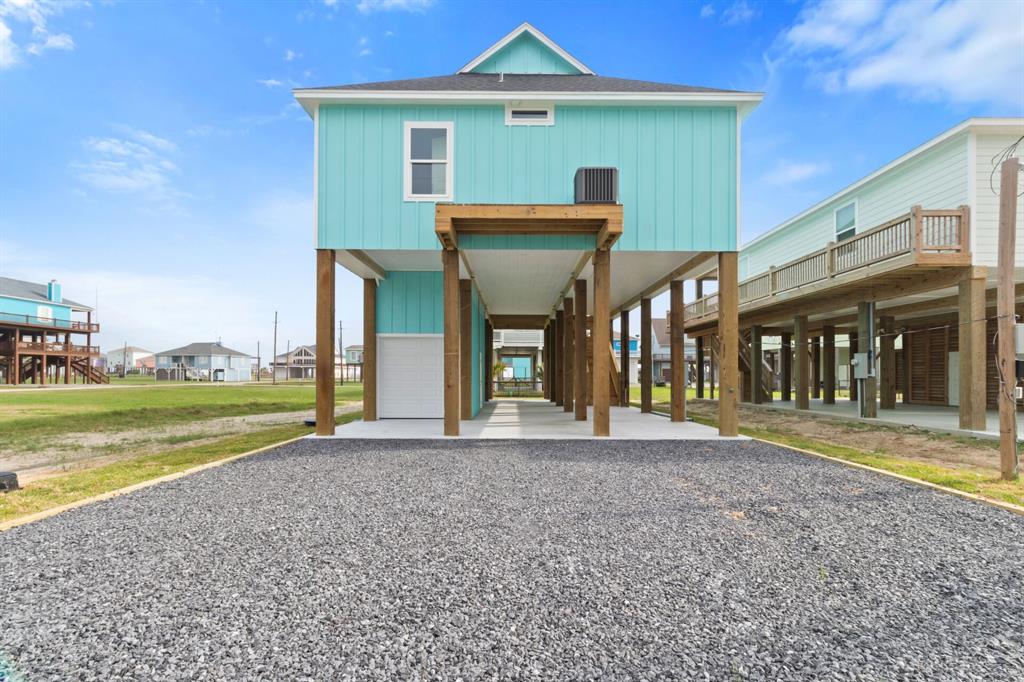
point(862, 367)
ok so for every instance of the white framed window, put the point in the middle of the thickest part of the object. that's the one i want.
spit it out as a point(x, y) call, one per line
point(529, 114)
point(429, 160)
point(846, 221)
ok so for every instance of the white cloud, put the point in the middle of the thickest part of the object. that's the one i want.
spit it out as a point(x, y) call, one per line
point(963, 50)
point(365, 52)
point(136, 163)
point(389, 34)
point(739, 12)
point(36, 14)
point(707, 11)
point(291, 55)
point(368, 6)
point(792, 172)
point(270, 82)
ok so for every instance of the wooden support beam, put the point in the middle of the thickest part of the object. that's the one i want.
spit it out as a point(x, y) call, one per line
point(602, 342)
point(324, 342)
point(756, 363)
point(866, 342)
point(369, 350)
point(624, 358)
point(801, 358)
point(854, 345)
point(677, 355)
point(519, 321)
point(887, 363)
point(569, 355)
point(580, 344)
point(786, 366)
point(1006, 318)
point(728, 339)
point(488, 377)
point(465, 349)
point(646, 370)
point(452, 344)
point(369, 263)
point(816, 367)
point(971, 337)
point(828, 364)
point(559, 357)
point(662, 283)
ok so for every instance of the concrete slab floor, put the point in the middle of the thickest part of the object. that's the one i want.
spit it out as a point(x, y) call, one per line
point(534, 419)
point(931, 417)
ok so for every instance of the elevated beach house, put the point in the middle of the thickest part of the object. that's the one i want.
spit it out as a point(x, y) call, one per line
point(523, 191)
point(205, 361)
point(44, 337)
point(897, 269)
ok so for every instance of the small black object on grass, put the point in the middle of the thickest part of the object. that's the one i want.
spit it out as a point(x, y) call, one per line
point(8, 481)
point(310, 422)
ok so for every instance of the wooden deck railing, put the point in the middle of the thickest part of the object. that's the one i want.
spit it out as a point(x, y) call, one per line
point(33, 321)
point(929, 233)
point(26, 347)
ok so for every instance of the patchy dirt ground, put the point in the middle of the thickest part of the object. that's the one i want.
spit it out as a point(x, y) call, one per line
point(901, 441)
point(82, 450)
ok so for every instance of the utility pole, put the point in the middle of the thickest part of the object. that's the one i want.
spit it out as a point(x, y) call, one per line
point(124, 360)
point(341, 355)
point(258, 361)
point(273, 360)
point(1006, 319)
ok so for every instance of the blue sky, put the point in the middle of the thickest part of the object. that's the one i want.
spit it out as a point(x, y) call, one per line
point(152, 157)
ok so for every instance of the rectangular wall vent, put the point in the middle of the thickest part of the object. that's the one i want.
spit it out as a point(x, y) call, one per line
point(597, 186)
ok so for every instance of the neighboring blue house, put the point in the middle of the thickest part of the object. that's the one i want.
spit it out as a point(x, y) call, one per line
point(205, 361)
point(493, 198)
point(41, 339)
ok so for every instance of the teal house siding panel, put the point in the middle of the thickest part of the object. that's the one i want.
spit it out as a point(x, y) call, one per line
point(410, 303)
point(13, 308)
point(677, 171)
point(525, 54)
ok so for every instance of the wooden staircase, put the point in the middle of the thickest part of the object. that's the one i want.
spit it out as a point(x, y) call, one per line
point(767, 372)
point(614, 379)
point(91, 374)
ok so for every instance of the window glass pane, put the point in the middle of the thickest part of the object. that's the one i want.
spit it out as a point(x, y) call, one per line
point(530, 114)
point(428, 178)
point(846, 218)
point(429, 144)
point(845, 235)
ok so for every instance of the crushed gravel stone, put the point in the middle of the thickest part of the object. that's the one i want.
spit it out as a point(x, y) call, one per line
point(579, 560)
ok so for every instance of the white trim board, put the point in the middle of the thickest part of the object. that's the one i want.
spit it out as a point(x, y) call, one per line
point(525, 27)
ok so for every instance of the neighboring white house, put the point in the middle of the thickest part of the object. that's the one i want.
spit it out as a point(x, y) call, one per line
point(138, 358)
point(204, 361)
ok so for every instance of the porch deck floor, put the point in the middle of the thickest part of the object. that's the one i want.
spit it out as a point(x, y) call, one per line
point(932, 417)
point(534, 419)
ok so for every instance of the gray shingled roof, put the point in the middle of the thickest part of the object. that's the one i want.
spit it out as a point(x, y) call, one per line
point(19, 288)
point(516, 82)
point(205, 348)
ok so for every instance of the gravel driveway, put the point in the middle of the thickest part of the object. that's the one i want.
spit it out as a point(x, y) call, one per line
point(530, 559)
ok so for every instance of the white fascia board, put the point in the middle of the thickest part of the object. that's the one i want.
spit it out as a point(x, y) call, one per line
point(309, 99)
point(969, 124)
point(525, 27)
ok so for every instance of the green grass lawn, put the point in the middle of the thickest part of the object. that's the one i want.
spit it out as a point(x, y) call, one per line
point(28, 418)
point(67, 488)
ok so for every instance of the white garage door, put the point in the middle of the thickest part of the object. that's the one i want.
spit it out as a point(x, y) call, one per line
point(410, 377)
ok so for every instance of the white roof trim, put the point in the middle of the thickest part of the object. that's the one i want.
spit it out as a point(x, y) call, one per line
point(515, 33)
point(971, 123)
point(309, 99)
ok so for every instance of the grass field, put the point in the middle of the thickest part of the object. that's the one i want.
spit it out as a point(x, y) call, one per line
point(900, 455)
point(28, 418)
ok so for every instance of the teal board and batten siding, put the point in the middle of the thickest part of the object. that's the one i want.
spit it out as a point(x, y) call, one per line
point(677, 171)
point(13, 309)
point(413, 303)
point(937, 179)
point(525, 54)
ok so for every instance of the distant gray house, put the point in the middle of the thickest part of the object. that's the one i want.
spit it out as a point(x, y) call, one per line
point(204, 361)
point(299, 363)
